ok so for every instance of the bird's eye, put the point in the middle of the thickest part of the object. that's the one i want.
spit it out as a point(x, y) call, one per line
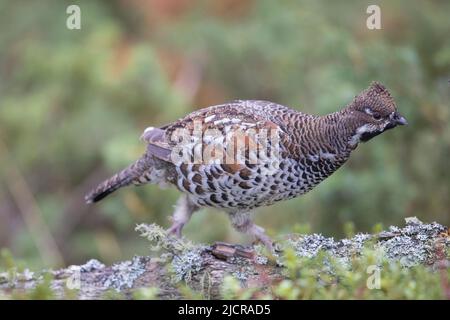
point(376, 116)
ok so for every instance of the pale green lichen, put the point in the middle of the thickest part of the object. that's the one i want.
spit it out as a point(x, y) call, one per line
point(314, 267)
point(242, 276)
point(261, 252)
point(411, 245)
point(125, 273)
point(159, 239)
point(187, 263)
point(185, 257)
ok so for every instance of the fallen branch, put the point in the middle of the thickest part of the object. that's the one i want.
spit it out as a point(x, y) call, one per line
point(178, 267)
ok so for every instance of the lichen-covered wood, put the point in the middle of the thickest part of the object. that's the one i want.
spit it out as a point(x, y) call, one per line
point(177, 267)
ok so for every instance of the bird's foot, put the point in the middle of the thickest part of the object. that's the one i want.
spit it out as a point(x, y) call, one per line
point(267, 242)
point(183, 212)
point(242, 222)
point(175, 229)
point(262, 237)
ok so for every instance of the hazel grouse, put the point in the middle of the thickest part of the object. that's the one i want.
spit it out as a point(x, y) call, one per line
point(246, 154)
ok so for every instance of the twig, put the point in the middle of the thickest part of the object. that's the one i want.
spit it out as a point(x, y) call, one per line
point(30, 211)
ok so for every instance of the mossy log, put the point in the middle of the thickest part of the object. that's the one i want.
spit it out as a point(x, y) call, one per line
point(177, 265)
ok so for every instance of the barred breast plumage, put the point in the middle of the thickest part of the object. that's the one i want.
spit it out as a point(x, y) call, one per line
point(247, 154)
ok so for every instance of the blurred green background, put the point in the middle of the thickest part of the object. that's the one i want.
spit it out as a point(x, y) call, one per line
point(73, 104)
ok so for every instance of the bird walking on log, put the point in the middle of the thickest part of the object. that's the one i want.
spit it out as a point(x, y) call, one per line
point(247, 154)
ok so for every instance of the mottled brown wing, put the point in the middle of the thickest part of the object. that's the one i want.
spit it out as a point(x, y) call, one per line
point(203, 125)
point(156, 143)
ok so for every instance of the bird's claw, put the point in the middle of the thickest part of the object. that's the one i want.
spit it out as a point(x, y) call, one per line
point(175, 229)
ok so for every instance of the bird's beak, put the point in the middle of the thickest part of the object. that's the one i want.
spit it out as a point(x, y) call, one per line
point(397, 119)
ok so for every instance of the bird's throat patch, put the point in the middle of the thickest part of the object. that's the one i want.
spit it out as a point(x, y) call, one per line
point(366, 136)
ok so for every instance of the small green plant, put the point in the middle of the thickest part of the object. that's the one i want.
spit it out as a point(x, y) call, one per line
point(368, 276)
point(150, 293)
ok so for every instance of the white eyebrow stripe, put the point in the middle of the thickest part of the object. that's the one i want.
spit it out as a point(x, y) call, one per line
point(222, 121)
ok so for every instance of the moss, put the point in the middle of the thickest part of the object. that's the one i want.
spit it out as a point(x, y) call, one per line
point(411, 245)
point(320, 267)
point(308, 278)
point(400, 263)
point(411, 262)
point(112, 294)
point(43, 290)
point(232, 289)
point(185, 257)
point(150, 293)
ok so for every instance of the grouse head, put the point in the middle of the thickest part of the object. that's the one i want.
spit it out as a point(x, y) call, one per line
point(374, 111)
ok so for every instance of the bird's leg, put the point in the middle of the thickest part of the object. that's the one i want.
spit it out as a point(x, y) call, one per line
point(183, 212)
point(242, 222)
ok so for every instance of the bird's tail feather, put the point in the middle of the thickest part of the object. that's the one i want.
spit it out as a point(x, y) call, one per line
point(127, 176)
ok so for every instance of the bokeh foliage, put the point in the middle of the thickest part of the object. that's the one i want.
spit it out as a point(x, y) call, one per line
point(73, 104)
